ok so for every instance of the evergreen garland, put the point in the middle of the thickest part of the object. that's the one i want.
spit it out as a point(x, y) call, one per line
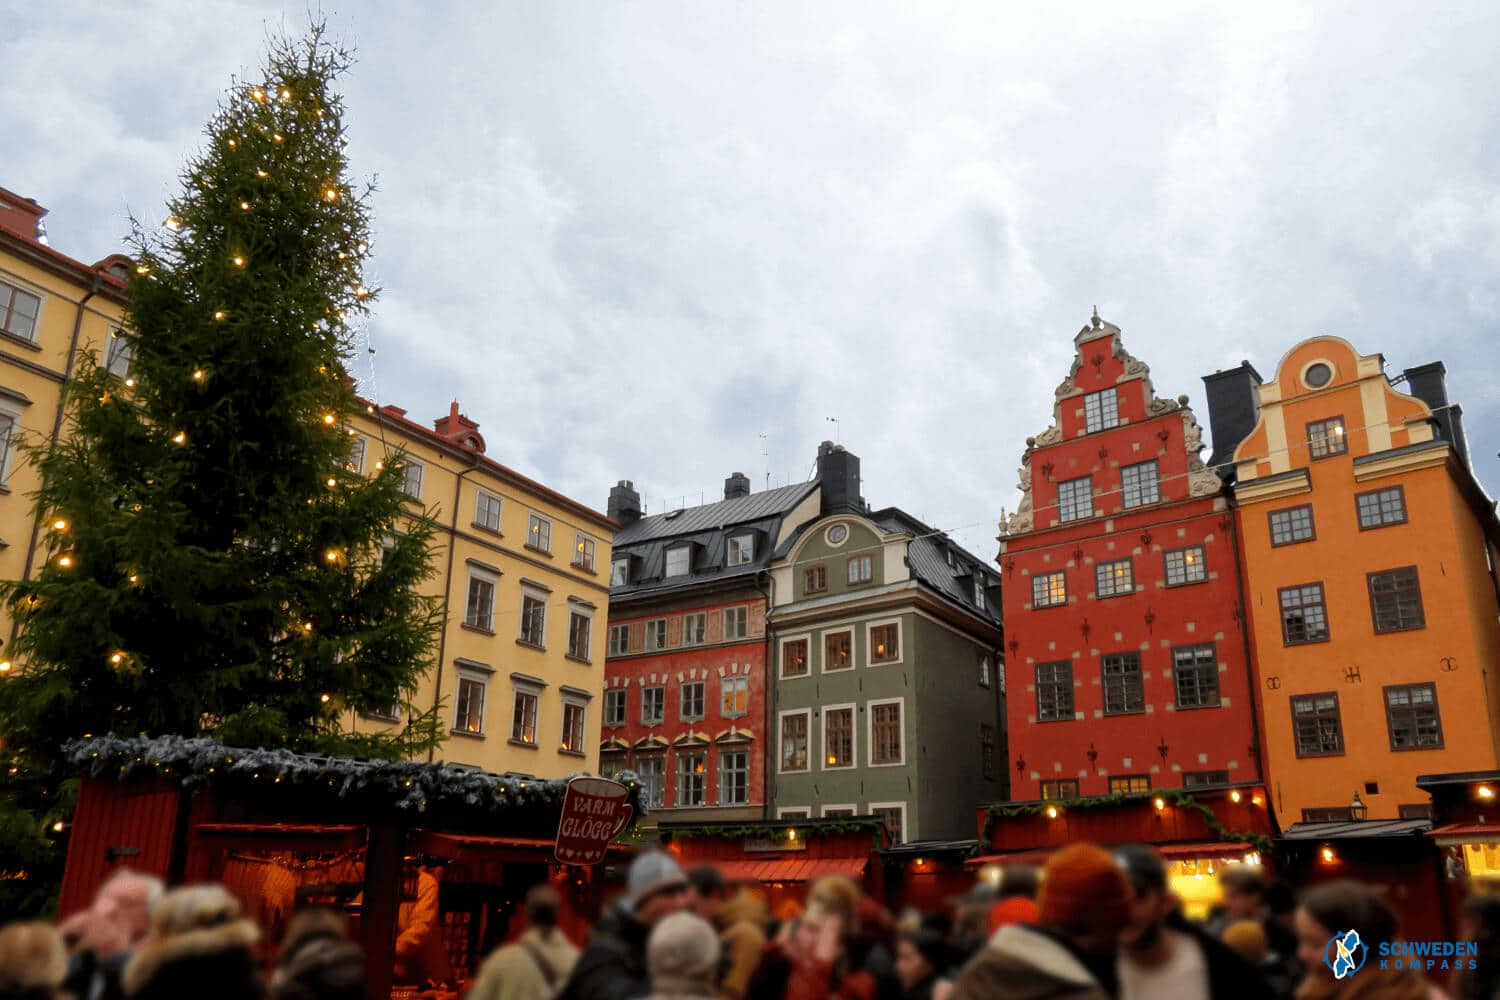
point(1172, 796)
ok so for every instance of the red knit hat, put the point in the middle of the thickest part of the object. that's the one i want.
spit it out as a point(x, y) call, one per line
point(1084, 889)
point(1012, 910)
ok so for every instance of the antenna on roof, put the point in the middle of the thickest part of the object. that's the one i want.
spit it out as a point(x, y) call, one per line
point(837, 429)
point(765, 453)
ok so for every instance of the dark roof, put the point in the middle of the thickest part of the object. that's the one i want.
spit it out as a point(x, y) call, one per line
point(1347, 829)
point(708, 529)
point(941, 564)
point(921, 847)
point(1456, 778)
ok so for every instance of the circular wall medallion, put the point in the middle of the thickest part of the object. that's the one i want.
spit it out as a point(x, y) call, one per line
point(837, 534)
point(1317, 375)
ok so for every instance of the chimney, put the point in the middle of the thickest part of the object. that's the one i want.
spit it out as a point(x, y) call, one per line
point(838, 475)
point(1429, 383)
point(1233, 409)
point(459, 429)
point(22, 217)
point(737, 485)
point(624, 502)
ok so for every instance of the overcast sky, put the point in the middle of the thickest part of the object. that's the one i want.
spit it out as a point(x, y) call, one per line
point(655, 240)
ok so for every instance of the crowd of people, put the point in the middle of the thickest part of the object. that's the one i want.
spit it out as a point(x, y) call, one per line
point(1093, 924)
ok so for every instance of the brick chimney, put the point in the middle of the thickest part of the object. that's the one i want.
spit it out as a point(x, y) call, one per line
point(22, 217)
point(459, 429)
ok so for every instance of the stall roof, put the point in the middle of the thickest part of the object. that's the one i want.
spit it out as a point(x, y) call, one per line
point(1216, 849)
point(791, 869)
point(1457, 833)
point(921, 847)
point(1455, 778)
point(1351, 829)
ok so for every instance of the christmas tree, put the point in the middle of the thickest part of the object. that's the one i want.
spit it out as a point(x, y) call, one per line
point(212, 564)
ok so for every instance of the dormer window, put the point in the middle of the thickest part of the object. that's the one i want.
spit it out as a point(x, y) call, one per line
point(741, 549)
point(619, 573)
point(679, 561)
point(980, 600)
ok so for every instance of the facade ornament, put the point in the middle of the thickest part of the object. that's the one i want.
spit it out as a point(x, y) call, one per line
point(1052, 435)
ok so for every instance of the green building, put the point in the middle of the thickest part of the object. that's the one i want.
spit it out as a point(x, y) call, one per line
point(888, 691)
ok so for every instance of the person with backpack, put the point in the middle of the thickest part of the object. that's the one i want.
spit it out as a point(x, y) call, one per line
point(534, 966)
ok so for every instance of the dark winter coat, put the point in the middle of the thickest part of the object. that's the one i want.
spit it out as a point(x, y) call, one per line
point(214, 961)
point(1230, 977)
point(1026, 963)
point(613, 965)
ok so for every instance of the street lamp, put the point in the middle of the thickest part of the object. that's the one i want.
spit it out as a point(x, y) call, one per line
point(1357, 809)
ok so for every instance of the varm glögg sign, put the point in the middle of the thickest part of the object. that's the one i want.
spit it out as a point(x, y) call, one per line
point(593, 814)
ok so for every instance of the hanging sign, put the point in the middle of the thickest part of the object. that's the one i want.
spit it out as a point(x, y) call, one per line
point(594, 812)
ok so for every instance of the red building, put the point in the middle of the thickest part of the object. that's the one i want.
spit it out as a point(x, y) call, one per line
point(1127, 662)
point(685, 683)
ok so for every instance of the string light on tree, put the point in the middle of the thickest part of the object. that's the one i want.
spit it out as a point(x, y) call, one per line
point(65, 561)
point(330, 419)
point(173, 223)
point(179, 438)
point(219, 315)
point(239, 260)
point(198, 375)
point(60, 525)
point(258, 96)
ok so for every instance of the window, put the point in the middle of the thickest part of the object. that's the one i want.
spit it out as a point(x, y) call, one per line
point(1411, 715)
point(619, 572)
point(987, 750)
point(793, 812)
point(1326, 437)
point(523, 717)
point(1111, 579)
point(838, 650)
point(356, 462)
point(118, 354)
point(1075, 499)
point(619, 640)
point(1048, 590)
point(886, 744)
point(1295, 524)
point(1101, 410)
point(479, 611)
point(611, 763)
point(815, 579)
point(487, 511)
point(572, 727)
point(679, 561)
point(1062, 788)
point(614, 706)
point(1317, 375)
point(1303, 617)
point(1396, 600)
point(838, 737)
point(1186, 566)
point(656, 634)
point(984, 671)
point(1330, 814)
point(653, 705)
point(794, 658)
point(1124, 784)
point(859, 569)
point(7, 436)
point(833, 812)
point(981, 599)
point(583, 552)
point(893, 815)
point(1378, 508)
point(734, 777)
point(794, 741)
point(1195, 673)
point(579, 628)
point(539, 533)
point(1054, 691)
point(411, 478)
point(694, 628)
point(533, 620)
point(652, 770)
point(1421, 810)
point(734, 697)
point(1123, 692)
point(885, 643)
point(691, 697)
point(692, 768)
point(741, 549)
point(1316, 726)
point(736, 622)
point(468, 714)
point(1140, 484)
point(18, 311)
point(1204, 779)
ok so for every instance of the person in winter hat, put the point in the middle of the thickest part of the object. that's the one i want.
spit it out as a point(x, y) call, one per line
point(532, 967)
point(742, 923)
point(102, 937)
point(1083, 907)
point(682, 954)
point(922, 958)
point(318, 961)
point(613, 965)
point(198, 944)
point(1335, 908)
point(33, 961)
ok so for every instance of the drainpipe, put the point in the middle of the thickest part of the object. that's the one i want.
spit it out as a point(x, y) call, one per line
point(768, 753)
point(57, 422)
point(437, 686)
point(1250, 673)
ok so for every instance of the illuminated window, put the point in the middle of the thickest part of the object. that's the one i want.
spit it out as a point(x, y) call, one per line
point(468, 715)
point(539, 533)
point(885, 643)
point(794, 658)
point(734, 695)
point(692, 777)
point(794, 741)
point(583, 552)
point(1049, 590)
point(573, 727)
point(1114, 578)
point(1063, 788)
point(1186, 566)
point(838, 650)
point(838, 737)
point(1125, 783)
point(523, 718)
point(1327, 437)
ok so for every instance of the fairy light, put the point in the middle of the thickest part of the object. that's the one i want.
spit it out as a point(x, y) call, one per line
point(142, 270)
point(286, 95)
point(232, 144)
point(60, 525)
point(325, 698)
point(307, 626)
point(116, 658)
point(1160, 804)
point(361, 291)
point(1052, 812)
point(278, 137)
point(332, 482)
point(331, 194)
point(5, 666)
point(331, 555)
point(244, 206)
point(198, 375)
point(58, 826)
point(1485, 792)
point(1235, 795)
point(329, 419)
point(239, 260)
point(258, 96)
point(130, 383)
point(173, 223)
point(262, 174)
point(179, 438)
point(65, 561)
point(219, 315)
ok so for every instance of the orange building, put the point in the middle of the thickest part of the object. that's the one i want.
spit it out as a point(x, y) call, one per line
point(1369, 550)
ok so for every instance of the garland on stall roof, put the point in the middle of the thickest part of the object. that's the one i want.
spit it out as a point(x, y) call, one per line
point(776, 830)
point(1175, 797)
point(410, 786)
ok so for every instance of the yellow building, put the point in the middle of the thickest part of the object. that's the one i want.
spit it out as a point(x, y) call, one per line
point(520, 665)
point(51, 306)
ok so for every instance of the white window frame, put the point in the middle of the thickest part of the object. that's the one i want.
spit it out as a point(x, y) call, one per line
point(535, 595)
point(651, 625)
point(359, 447)
point(781, 644)
point(623, 648)
point(523, 687)
point(850, 806)
point(679, 562)
point(657, 801)
point(720, 784)
point(660, 719)
point(573, 701)
point(482, 576)
point(409, 466)
point(1136, 468)
point(867, 566)
point(41, 307)
point(483, 680)
point(870, 730)
point(985, 669)
point(1105, 421)
point(781, 738)
point(539, 533)
point(853, 708)
point(741, 550)
point(1073, 505)
point(622, 695)
point(734, 610)
point(736, 682)
point(981, 599)
point(481, 519)
point(870, 628)
point(682, 712)
point(702, 635)
point(8, 442)
point(584, 552)
point(578, 610)
point(619, 572)
point(116, 348)
point(782, 811)
point(870, 808)
point(679, 774)
point(823, 651)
